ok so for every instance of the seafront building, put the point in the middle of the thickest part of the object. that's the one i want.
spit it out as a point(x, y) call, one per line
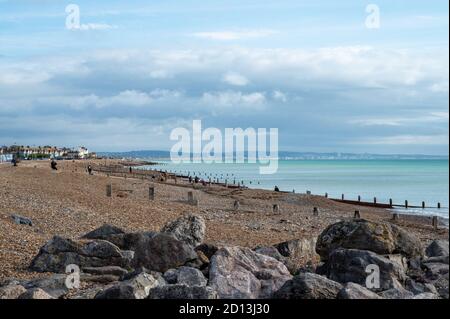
point(42, 152)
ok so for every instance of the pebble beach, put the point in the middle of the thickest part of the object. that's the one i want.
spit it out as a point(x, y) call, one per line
point(69, 202)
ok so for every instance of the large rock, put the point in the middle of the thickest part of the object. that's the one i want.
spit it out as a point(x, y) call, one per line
point(437, 248)
point(189, 228)
point(60, 252)
point(355, 291)
point(182, 292)
point(298, 249)
point(135, 288)
point(185, 276)
point(397, 293)
point(308, 286)
point(54, 285)
point(237, 273)
point(162, 252)
point(378, 237)
point(35, 293)
point(104, 232)
point(107, 270)
point(11, 291)
point(351, 265)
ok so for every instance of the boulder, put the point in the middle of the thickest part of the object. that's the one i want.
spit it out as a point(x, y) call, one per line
point(11, 291)
point(355, 291)
point(308, 286)
point(189, 229)
point(237, 273)
point(185, 276)
point(107, 270)
point(60, 252)
point(397, 293)
point(426, 295)
point(162, 252)
point(441, 284)
point(378, 237)
point(298, 249)
point(54, 285)
point(351, 265)
point(435, 270)
point(103, 232)
point(437, 248)
point(135, 288)
point(182, 292)
point(35, 293)
point(418, 287)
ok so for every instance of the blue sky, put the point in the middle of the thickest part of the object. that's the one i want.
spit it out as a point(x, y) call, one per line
point(135, 70)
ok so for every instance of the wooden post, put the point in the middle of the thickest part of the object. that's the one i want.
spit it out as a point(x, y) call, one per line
point(439, 205)
point(276, 209)
point(390, 202)
point(190, 197)
point(315, 211)
point(395, 216)
point(359, 198)
point(342, 196)
point(109, 190)
point(236, 205)
point(374, 200)
point(406, 204)
point(357, 214)
point(308, 192)
point(423, 205)
point(151, 193)
point(326, 195)
point(435, 222)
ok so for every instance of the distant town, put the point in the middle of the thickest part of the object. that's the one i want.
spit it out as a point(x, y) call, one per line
point(20, 152)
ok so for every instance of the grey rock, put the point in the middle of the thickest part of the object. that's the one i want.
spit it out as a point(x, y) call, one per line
point(59, 252)
point(162, 252)
point(435, 270)
point(106, 270)
point(237, 273)
point(355, 291)
point(35, 293)
point(11, 291)
point(135, 288)
point(104, 232)
point(185, 276)
point(208, 249)
point(442, 284)
point(397, 293)
point(418, 287)
point(189, 229)
point(350, 265)
point(379, 237)
point(426, 295)
point(182, 292)
point(54, 285)
point(20, 220)
point(437, 248)
point(271, 252)
point(308, 286)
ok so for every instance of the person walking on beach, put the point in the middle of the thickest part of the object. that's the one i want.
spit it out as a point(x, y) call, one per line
point(53, 165)
point(89, 169)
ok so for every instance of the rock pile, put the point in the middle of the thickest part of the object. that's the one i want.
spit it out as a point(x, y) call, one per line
point(352, 259)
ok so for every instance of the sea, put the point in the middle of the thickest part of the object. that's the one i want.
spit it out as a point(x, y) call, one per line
point(415, 180)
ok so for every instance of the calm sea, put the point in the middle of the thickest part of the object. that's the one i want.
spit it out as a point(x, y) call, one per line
point(412, 180)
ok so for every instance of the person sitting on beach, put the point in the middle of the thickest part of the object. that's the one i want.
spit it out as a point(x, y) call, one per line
point(53, 165)
point(276, 189)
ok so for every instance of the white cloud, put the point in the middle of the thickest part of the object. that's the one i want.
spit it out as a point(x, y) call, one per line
point(235, 79)
point(280, 96)
point(234, 35)
point(96, 26)
point(231, 98)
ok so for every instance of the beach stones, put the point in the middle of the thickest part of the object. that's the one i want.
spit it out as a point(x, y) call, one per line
point(189, 229)
point(35, 293)
point(237, 272)
point(162, 252)
point(60, 252)
point(351, 265)
point(437, 248)
point(308, 286)
point(381, 238)
point(355, 291)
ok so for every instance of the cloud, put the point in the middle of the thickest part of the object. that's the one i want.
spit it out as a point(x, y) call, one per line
point(231, 98)
point(96, 26)
point(280, 96)
point(234, 35)
point(236, 79)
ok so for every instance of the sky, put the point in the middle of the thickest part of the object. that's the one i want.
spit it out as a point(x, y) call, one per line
point(320, 71)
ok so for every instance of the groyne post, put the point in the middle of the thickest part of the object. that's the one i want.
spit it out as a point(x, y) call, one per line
point(236, 205)
point(395, 216)
point(374, 200)
point(276, 209)
point(357, 214)
point(390, 202)
point(406, 204)
point(359, 198)
point(435, 222)
point(109, 190)
point(342, 196)
point(439, 205)
point(315, 211)
point(151, 193)
point(423, 205)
